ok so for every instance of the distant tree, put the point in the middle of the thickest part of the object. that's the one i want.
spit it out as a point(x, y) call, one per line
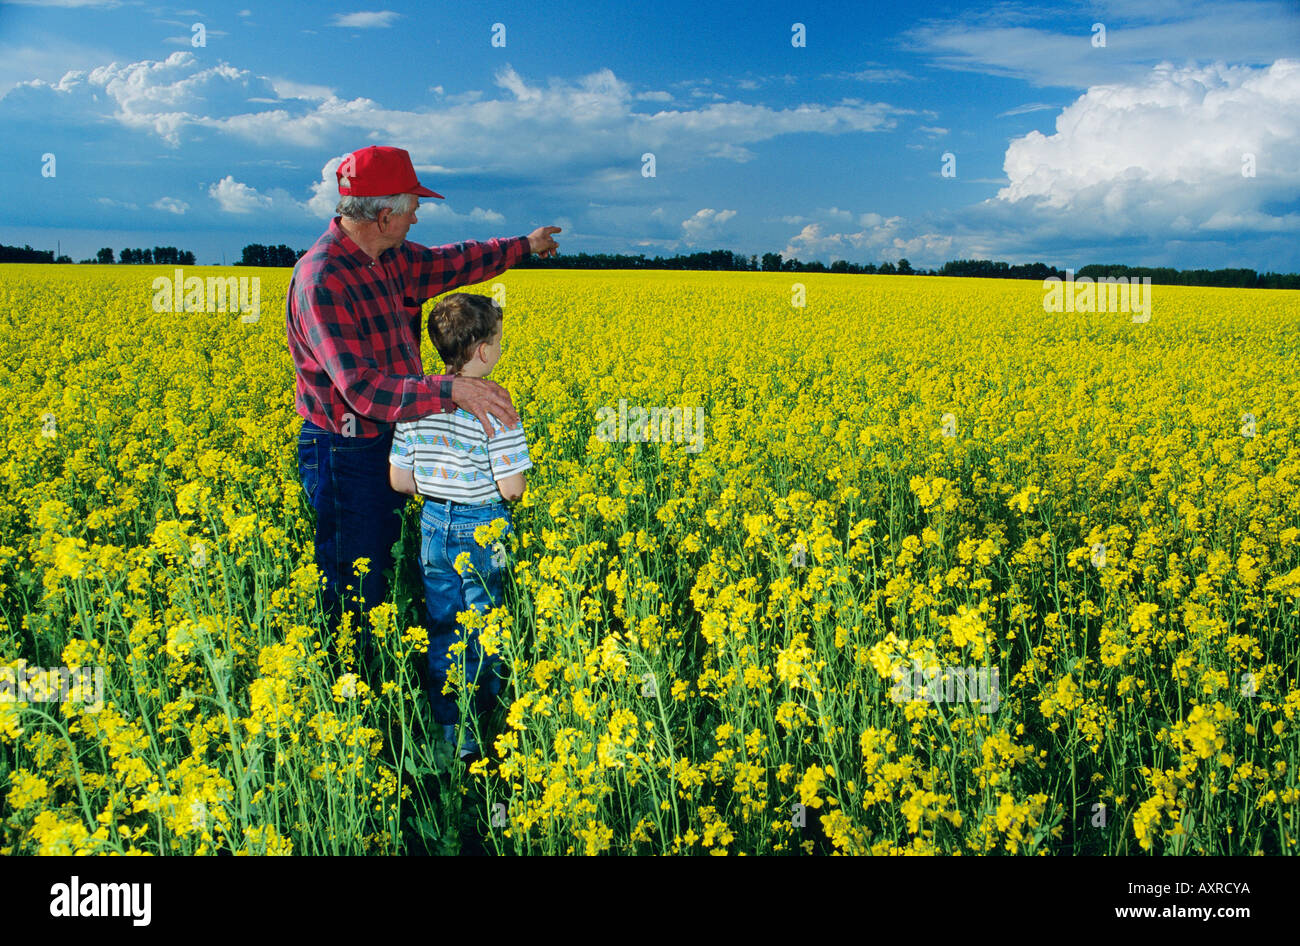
point(887, 269)
point(105, 255)
point(904, 268)
point(771, 262)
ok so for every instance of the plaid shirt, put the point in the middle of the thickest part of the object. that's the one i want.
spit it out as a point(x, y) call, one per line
point(354, 326)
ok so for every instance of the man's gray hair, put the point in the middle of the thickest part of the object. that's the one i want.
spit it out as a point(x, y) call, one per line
point(367, 208)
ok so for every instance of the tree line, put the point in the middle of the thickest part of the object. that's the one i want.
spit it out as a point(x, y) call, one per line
point(258, 254)
point(167, 255)
point(724, 260)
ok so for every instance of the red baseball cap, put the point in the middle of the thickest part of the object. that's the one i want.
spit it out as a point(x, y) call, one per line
point(378, 171)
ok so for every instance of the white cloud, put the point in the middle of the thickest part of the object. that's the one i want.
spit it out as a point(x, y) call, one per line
point(588, 126)
point(874, 72)
point(1167, 153)
point(158, 96)
point(171, 205)
point(1026, 109)
point(325, 192)
point(994, 40)
point(116, 204)
point(881, 238)
point(289, 89)
point(237, 198)
point(45, 59)
point(705, 224)
point(381, 19)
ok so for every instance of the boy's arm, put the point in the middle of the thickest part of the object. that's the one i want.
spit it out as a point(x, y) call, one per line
point(512, 487)
point(401, 465)
point(402, 481)
point(508, 455)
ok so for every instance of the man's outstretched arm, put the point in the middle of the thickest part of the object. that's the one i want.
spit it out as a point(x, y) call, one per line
point(434, 270)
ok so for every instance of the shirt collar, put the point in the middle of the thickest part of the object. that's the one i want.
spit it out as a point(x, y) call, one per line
point(339, 235)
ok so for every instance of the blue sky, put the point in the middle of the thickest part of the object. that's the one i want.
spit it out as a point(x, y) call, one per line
point(1177, 142)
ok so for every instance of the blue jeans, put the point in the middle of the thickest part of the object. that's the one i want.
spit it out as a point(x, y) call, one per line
point(446, 532)
point(358, 515)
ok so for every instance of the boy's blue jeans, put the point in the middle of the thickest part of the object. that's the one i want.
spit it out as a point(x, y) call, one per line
point(447, 531)
point(358, 515)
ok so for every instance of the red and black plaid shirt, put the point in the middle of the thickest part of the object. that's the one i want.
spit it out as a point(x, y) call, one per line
point(354, 326)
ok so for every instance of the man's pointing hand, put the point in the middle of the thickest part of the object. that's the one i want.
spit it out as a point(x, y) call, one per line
point(541, 244)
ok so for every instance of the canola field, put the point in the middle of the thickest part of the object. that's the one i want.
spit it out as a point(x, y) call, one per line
point(743, 642)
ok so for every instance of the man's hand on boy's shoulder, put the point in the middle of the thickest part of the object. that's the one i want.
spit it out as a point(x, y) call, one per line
point(481, 397)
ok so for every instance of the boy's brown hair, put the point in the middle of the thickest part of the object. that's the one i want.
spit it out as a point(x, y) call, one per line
point(459, 322)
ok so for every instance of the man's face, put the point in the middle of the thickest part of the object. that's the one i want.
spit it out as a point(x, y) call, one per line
point(393, 226)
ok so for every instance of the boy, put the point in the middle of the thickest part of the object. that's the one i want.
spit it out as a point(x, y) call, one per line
point(466, 480)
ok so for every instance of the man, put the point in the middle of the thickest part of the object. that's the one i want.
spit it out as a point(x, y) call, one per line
point(352, 314)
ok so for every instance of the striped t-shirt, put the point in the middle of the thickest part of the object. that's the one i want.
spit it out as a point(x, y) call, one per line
point(452, 457)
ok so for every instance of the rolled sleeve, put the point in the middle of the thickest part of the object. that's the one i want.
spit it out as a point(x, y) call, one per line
point(433, 270)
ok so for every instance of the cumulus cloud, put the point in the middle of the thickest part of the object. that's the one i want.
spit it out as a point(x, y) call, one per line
point(237, 198)
point(288, 89)
point(589, 125)
point(164, 97)
point(880, 238)
point(705, 224)
point(1131, 169)
point(1168, 152)
point(171, 205)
